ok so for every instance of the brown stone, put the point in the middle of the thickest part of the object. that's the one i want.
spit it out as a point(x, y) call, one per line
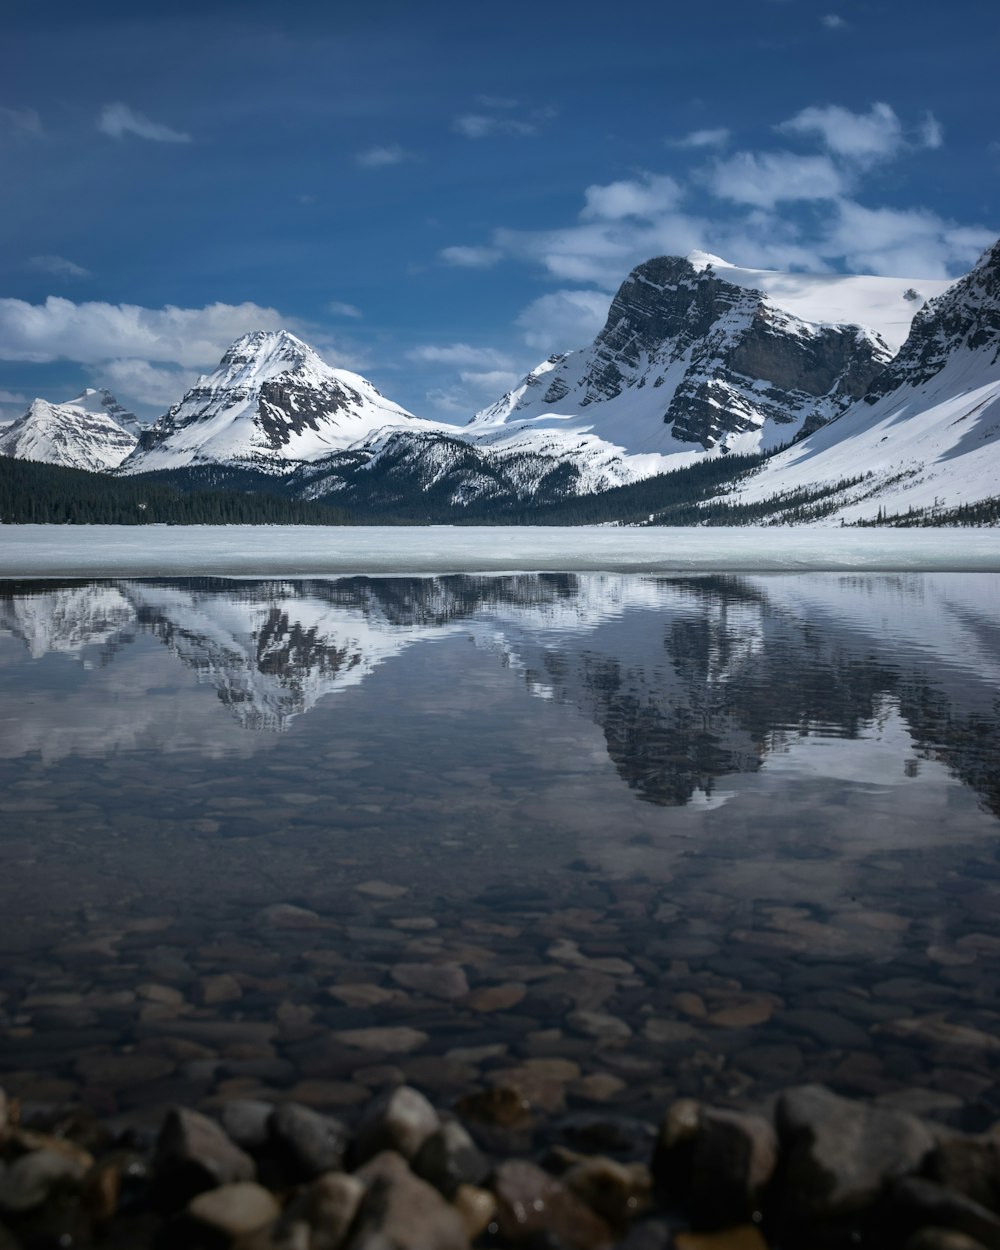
point(392, 1040)
point(497, 997)
point(476, 1207)
point(532, 1204)
point(222, 988)
point(235, 1210)
point(401, 1212)
point(443, 980)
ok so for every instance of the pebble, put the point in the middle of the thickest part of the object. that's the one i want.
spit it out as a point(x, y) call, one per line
point(235, 1210)
point(306, 1142)
point(381, 889)
point(532, 1204)
point(193, 1154)
point(401, 1120)
point(444, 980)
point(403, 1212)
point(32, 1178)
point(392, 1040)
point(598, 1025)
point(497, 997)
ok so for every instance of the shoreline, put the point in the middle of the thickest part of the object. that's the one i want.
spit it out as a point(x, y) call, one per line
point(44, 551)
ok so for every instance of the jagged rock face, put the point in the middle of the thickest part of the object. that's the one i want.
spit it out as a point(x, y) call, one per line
point(718, 359)
point(72, 435)
point(100, 399)
point(966, 318)
point(271, 400)
point(731, 340)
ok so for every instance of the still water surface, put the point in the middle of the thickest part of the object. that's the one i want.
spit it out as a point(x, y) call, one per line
point(603, 838)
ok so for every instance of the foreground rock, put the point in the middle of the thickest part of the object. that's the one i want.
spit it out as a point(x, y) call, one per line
point(808, 1171)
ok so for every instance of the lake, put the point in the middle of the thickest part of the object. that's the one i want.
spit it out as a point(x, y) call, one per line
point(606, 838)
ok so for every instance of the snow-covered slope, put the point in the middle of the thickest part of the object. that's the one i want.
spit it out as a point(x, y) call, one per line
point(927, 434)
point(91, 432)
point(272, 402)
point(698, 355)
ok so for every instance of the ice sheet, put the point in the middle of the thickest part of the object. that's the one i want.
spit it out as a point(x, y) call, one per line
point(248, 551)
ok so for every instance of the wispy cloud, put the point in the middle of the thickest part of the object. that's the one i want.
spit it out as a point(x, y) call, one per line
point(563, 320)
point(471, 257)
point(712, 138)
point(479, 125)
point(833, 21)
point(21, 123)
point(749, 210)
point(931, 132)
point(12, 397)
point(340, 309)
point(382, 157)
point(118, 120)
point(496, 116)
point(58, 266)
point(461, 355)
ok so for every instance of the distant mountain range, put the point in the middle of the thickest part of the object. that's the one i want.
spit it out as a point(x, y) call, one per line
point(814, 388)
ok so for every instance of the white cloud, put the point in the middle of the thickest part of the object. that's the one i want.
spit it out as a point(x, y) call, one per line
point(59, 267)
point(492, 382)
point(931, 132)
point(460, 354)
point(471, 257)
point(833, 21)
point(118, 120)
point(563, 320)
point(94, 332)
point(647, 197)
point(602, 252)
point(862, 137)
point(716, 138)
point(21, 123)
point(908, 242)
point(340, 309)
point(479, 125)
point(765, 179)
point(141, 381)
point(380, 157)
point(12, 397)
point(494, 118)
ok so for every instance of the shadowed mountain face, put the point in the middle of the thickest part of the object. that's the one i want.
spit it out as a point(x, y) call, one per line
point(692, 681)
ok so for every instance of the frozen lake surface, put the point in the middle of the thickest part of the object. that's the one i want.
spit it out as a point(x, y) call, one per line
point(249, 551)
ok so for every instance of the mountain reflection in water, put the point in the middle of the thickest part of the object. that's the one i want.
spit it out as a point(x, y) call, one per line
point(690, 679)
point(689, 835)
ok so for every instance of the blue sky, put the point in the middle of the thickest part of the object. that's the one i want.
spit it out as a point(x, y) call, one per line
point(439, 195)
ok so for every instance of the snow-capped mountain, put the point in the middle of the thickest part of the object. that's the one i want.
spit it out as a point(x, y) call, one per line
point(99, 400)
point(92, 431)
point(926, 436)
point(272, 403)
point(698, 356)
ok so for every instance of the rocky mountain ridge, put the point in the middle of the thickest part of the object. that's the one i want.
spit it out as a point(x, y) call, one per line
point(93, 431)
point(926, 434)
point(272, 403)
point(697, 356)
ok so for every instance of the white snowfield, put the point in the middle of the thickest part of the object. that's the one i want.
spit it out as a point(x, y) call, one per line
point(885, 305)
point(290, 551)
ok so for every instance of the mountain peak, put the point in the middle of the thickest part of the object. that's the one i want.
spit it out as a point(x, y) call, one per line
point(271, 348)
